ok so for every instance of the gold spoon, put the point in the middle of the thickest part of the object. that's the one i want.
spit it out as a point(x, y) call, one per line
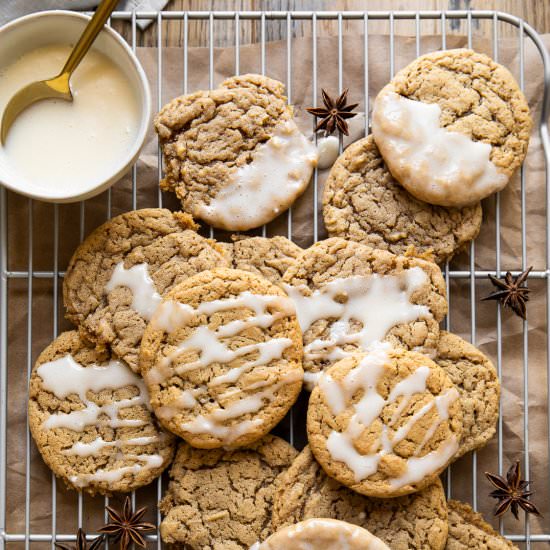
point(57, 87)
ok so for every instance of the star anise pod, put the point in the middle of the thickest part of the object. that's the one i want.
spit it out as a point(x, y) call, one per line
point(511, 492)
point(334, 114)
point(81, 543)
point(126, 526)
point(510, 292)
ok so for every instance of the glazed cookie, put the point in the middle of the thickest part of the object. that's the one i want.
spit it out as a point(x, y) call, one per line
point(468, 529)
point(90, 417)
point(363, 203)
point(385, 423)
point(322, 533)
point(221, 500)
point(472, 372)
point(268, 257)
point(349, 295)
point(412, 522)
point(234, 155)
point(452, 126)
point(117, 276)
point(222, 358)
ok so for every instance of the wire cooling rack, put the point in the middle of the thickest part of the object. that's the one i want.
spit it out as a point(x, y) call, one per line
point(22, 279)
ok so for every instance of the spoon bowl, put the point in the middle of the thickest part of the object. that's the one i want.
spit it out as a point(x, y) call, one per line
point(54, 88)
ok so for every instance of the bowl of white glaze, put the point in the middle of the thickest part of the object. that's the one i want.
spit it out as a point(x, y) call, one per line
point(60, 151)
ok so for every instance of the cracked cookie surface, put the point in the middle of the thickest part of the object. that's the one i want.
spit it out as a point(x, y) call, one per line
point(385, 423)
point(476, 378)
point(152, 250)
point(468, 529)
point(269, 257)
point(90, 417)
point(222, 358)
point(335, 283)
point(221, 500)
point(362, 202)
point(412, 522)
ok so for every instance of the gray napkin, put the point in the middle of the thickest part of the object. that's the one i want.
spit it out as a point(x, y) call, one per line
point(11, 9)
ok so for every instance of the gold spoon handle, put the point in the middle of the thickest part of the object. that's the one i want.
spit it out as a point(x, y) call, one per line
point(90, 33)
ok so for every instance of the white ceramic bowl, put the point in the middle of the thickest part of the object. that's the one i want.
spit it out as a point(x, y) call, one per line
point(64, 27)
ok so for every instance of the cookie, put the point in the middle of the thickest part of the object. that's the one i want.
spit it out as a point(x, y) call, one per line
point(385, 423)
point(234, 155)
point(452, 126)
point(412, 522)
point(476, 378)
point(468, 529)
point(90, 417)
point(221, 500)
point(362, 202)
point(268, 257)
point(349, 295)
point(118, 275)
point(222, 358)
point(328, 534)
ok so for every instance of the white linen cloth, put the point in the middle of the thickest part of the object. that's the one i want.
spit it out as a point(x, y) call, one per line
point(11, 9)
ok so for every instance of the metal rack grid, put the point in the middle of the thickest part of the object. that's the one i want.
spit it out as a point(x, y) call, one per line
point(55, 274)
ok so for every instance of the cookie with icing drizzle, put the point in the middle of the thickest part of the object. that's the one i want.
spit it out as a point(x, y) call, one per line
point(476, 379)
point(90, 417)
point(452, 126)
point(329, 534)
point(362, 202)
point(220, 499)
point(349, 295)
point(222, 358)
point(385, 423)
point(269, 257)
point(118, 275)
point(412, 522)
point(234, 156)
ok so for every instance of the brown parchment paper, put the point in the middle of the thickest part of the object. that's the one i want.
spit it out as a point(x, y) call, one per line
point(45, 241)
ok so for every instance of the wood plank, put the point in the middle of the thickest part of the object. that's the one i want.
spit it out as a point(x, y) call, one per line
point(534, 12)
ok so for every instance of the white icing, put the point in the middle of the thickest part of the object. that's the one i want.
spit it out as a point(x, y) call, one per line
point(420, 467)
point(64, 377)
point(311, 379)
point(144, 462)
point(88, 449)
point(260, 190)
point(377, 302)
point(145, 298)
point(365, 377)
point(436, 165)
point(321, 534)
point(328, 149)
point(210, 346)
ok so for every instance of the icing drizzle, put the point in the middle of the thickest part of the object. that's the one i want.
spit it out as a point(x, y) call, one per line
point(210, 346)
point(377, 302)
point(365, 376)
point(64, 377)
point(145, 298)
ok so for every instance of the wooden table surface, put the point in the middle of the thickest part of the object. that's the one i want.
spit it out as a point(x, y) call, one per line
point(534, 12)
